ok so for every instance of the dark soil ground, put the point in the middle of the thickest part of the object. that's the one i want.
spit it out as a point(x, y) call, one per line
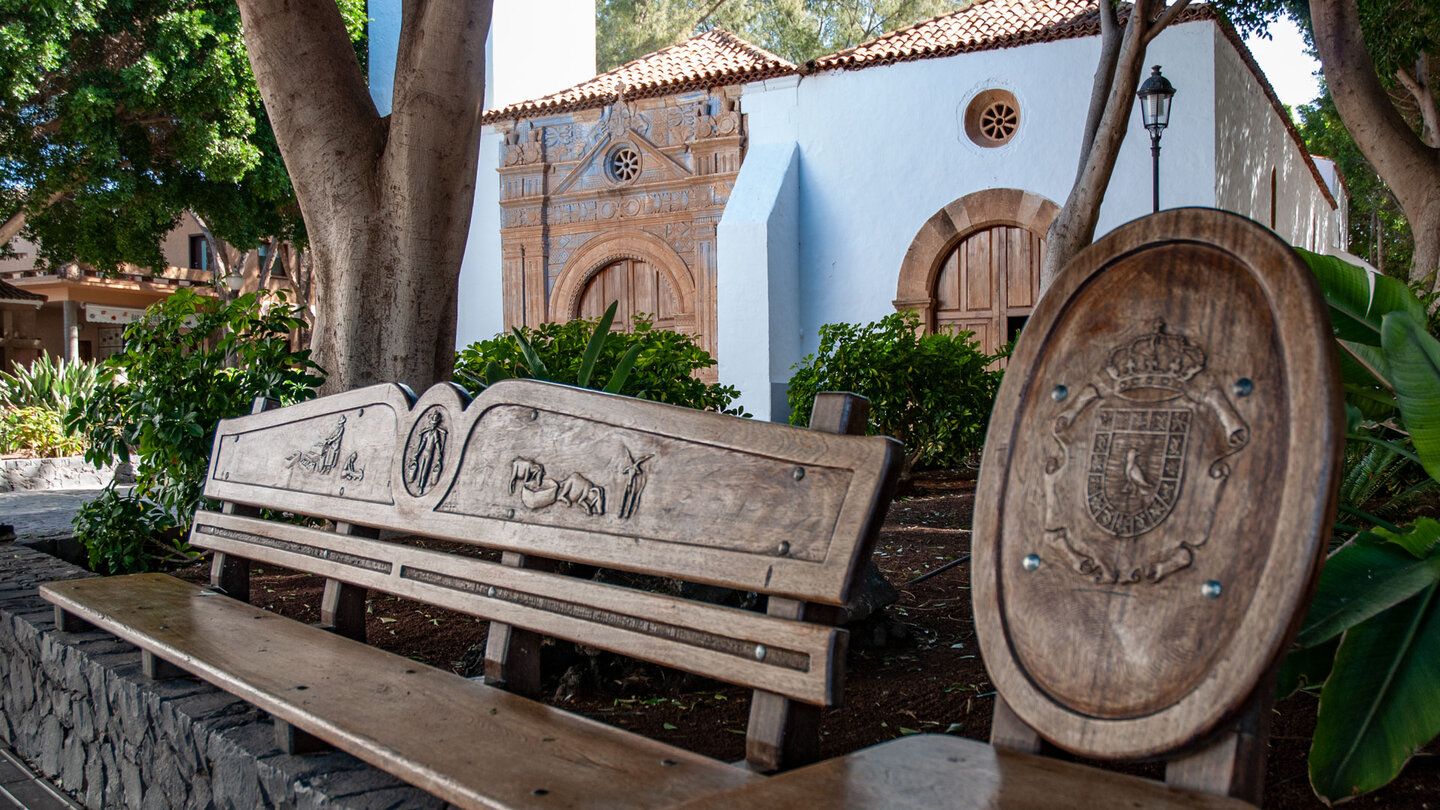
point(917, 669)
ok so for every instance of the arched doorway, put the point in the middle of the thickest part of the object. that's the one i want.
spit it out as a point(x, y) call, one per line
point(975, 264)
point(988, 284)
point(637, 286)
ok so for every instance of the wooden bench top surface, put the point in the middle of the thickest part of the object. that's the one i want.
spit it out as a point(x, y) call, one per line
point(940, 772)
point(472, 745)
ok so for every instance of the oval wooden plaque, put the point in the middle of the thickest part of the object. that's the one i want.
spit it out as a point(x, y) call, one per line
point(1158, 484)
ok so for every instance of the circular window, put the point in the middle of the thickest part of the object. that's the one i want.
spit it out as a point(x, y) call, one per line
point(992, 118)
point(623, 164)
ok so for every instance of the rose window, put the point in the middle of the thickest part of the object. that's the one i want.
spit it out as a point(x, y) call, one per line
point(623, 164)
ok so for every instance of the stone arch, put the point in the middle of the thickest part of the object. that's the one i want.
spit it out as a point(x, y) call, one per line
point(601, 251)
point(951, 225)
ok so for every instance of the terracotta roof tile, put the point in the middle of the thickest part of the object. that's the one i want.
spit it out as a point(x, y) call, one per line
point(981, 26)
point(10, 293)
point(713, 58)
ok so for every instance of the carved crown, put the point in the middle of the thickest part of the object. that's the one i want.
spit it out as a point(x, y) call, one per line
point(1155, 361)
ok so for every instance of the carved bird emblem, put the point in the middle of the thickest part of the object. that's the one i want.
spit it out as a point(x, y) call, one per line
point(1134, 475)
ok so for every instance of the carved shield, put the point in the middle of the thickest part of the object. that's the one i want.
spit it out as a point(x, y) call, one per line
point(1136, 418)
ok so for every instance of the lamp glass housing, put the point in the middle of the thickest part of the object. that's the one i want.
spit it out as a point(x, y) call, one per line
point(1155, 95)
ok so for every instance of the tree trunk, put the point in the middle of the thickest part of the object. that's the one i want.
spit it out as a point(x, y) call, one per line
point(1122, 60)
point(1409, 166)
point(386, 200)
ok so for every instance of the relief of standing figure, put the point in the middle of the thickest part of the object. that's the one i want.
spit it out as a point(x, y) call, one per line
point(423, 468)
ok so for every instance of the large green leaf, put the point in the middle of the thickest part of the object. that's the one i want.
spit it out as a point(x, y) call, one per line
point(1413, 358)
point(595, 345)
point(1381, 702)
point(1361, 579)
point(1359, 299)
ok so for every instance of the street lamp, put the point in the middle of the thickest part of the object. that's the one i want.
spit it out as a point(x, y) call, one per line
point(1155, 96)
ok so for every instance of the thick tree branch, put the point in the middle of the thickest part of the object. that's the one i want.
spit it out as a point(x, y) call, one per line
point(1420, 89)
point(333, 120)
point(1104, 77)
point(1406, 163)
point(1168, 16)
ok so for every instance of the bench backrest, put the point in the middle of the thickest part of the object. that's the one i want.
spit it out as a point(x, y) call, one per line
point(560, 473)
point(1157, 486)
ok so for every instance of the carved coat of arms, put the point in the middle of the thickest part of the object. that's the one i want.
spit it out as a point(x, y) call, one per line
point(1149, 433)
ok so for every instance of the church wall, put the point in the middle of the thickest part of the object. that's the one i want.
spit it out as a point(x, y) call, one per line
point(883, 149)
point(757, 307)
point(1251, 142)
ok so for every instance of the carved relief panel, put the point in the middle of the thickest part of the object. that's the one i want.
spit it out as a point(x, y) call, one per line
point(641, 182)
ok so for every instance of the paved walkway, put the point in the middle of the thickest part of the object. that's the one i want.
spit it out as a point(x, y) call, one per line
point(43, 514)
point(20, 789)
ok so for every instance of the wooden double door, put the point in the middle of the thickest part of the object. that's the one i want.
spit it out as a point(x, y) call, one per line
point(638, 287)
point(988, 284)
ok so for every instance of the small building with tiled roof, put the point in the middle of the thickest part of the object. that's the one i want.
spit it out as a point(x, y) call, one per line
point(749, 201)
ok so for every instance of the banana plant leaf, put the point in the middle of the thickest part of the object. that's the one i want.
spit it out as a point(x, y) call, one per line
point(1307, 666)
point(1382, 701)
point(1362, 579)
point(1359, 299)
point(1413, 360)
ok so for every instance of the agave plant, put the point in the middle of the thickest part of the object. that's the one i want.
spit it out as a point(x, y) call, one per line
point(538, 370)
point(49, 385)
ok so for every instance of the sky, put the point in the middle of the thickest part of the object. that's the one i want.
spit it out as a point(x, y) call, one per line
point(1283, 58)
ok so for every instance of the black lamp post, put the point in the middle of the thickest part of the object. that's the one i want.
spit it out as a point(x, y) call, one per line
point(1155, 96)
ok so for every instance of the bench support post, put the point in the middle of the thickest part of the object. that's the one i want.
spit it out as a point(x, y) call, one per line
point(1233, 764)
point(158, 669)
point(230, 574)
point(784, 733)
point(67, 622)
point(1007, 730)
point(297, 742)
point(512, 654)
point(342, 607)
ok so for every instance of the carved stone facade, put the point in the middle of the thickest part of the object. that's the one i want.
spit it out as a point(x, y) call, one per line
point(619, 203)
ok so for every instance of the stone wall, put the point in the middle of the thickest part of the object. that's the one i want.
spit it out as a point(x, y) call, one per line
point(78, 708)
point(19, 474)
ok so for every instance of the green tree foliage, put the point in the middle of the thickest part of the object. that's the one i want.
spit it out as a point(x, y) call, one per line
point(797, 30)
point(1403, 40)
point(1379, 232)
point(646, 363)
point(118, 115)
point(190, 362)
point(932, 392)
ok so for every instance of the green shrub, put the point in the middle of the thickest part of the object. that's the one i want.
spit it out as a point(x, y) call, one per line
point(36, 431)
point(121, 535)
point(661, 367)
point(190, 362)
point(45, 384)
point(932, 392)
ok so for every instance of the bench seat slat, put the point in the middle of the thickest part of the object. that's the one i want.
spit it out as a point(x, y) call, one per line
point(795, 659)
point(941, 772)
point(472, 745)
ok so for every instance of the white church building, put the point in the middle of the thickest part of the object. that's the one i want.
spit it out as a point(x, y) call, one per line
point(746, 200)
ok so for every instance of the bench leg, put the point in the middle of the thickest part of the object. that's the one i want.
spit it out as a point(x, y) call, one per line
point(67, 622)
point(1233, 764)
point(296, 741)
point(158, 669)
point(512, 655)
point(342, 609)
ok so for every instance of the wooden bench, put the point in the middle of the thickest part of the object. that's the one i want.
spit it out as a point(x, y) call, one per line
point(1155, 496)
point(538, 473)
